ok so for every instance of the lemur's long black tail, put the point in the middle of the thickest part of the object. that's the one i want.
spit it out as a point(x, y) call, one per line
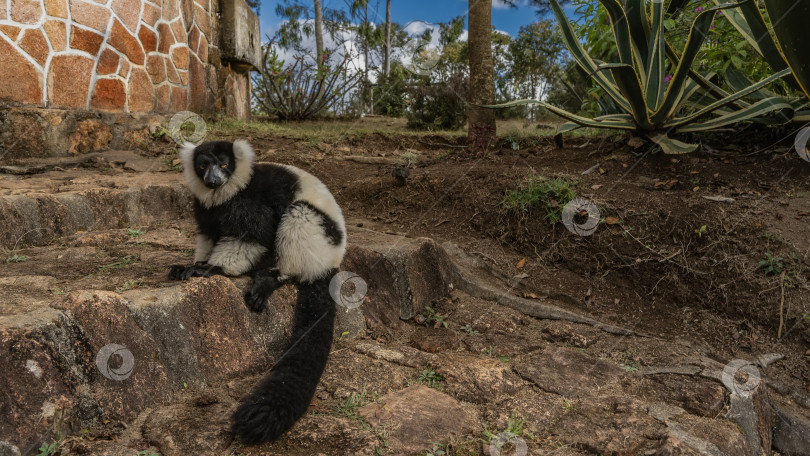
point(285, 394)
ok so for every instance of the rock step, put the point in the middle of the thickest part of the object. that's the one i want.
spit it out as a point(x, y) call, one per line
point(387, 397)
point(36, 218)
point(93, 355)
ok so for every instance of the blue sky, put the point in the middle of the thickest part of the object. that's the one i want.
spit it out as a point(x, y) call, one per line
point(431, 11)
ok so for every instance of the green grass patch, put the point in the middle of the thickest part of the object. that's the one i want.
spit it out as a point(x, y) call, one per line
point(130, 285)
point(349, 406)
point(548, 193)
point(429, 377)
point(16, 258)
point(124, 262)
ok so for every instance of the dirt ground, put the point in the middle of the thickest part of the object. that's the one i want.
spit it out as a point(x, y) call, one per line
point(649, 265)
point(728, 275)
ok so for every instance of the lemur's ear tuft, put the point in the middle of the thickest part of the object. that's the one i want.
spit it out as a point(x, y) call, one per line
point(243, 152)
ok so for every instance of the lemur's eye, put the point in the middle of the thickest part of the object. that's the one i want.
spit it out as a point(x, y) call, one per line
point(202, 167)
point(223, 166)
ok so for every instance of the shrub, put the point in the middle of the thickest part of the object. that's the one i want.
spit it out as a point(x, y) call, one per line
point(302, 89)
point(440, 105)
point(390, 94)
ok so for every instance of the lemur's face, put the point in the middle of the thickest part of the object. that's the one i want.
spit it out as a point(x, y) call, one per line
point(214, 166)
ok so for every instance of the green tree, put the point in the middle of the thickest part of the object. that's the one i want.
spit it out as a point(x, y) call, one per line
point(535, 56)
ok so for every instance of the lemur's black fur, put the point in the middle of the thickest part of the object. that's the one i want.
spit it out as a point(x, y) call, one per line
point(278, 224)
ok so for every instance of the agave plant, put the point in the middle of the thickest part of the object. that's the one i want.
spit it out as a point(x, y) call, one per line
point(789, 19)
point(652, 104)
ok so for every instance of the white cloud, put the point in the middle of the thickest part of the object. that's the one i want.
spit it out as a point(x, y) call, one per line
point(418, 27)
point(342, 43)
point(499, 4)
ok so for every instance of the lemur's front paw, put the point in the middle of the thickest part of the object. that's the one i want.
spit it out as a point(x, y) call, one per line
point(256, 299)
point(180, 272)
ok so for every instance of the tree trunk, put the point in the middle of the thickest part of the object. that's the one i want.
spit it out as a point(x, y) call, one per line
point(365, 57)
point(481, 124)
point(318, 32)
point(319, 52)
point(387, 53)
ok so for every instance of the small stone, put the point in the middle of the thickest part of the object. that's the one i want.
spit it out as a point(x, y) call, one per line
point(129, 12)
point(10, 31)
point(126, 43)
point(187, 12)
point(180, 56)
point(171, 9)
point(196, 85)
point(148, 39)
point(26, 11)
point(107, 63)
point(90, 135)
point(57, 34)
point(151, 14)
point(56, 8)
point(171, 72)
point(109, 94)
point(476, 378)
point(707, 434)
point(203, 20)
point(69, 80)
point(179, 30)
point(205, 399)
point(124, 71)
point(699, 396)
point(194, 38)
point(85, 40)
point(141, 91)
point(34, 43)
point(554, 368)
point(202, 49)
point(89, 14)
point(190, 429)
point(416, 418)
point(156, 68)
point(609, 425)
point(165, 38)
point(179, 100)
point(163, 95)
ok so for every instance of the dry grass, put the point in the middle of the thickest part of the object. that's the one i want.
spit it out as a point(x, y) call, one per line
point(331, 130)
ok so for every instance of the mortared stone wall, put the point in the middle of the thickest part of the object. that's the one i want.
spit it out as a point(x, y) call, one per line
point(130, 56)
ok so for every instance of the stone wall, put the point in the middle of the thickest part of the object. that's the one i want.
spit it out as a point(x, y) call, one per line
point(130, 56)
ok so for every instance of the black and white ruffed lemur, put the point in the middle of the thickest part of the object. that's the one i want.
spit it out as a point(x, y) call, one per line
point(278, 224)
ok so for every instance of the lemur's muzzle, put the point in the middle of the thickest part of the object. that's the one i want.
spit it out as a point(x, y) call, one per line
point(214, 177)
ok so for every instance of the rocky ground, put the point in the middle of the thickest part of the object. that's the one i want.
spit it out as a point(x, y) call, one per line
point(442, 357)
